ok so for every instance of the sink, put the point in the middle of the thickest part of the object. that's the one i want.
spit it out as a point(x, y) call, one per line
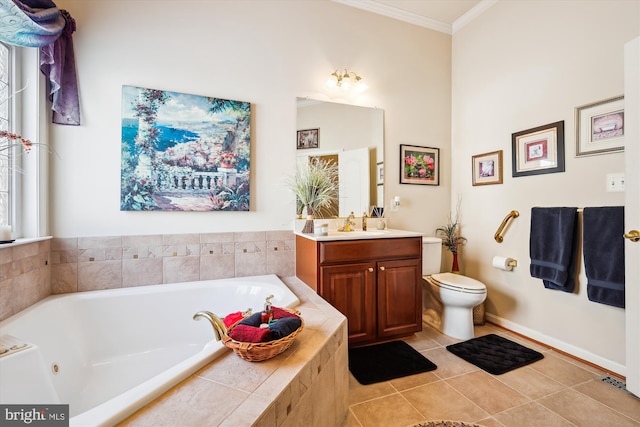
point(358, 233)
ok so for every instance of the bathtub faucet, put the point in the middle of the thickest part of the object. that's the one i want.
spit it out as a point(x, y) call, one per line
point(219, 328)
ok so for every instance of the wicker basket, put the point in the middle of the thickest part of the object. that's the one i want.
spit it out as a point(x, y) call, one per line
point(478, 314)
point(259, 351)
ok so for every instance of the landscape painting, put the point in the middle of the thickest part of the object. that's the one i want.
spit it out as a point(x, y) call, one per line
point(184, 152)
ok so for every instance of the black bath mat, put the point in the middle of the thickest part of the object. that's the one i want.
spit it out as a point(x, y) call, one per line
point(384, 362)
point(494, 354)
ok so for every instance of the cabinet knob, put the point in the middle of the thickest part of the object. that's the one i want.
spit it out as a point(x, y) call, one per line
point(370, 269)
point(382, 268)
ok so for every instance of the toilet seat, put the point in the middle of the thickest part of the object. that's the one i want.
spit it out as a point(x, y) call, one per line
point(458, 283)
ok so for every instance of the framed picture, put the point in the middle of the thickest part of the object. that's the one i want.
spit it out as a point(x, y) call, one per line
point(539, 150)
point(380, 173)
point(600, 127)
point(487, 168)
point(308, 138)
point(419, 165)
point(172, 164)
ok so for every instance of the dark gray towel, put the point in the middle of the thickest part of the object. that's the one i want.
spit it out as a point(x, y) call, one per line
point(553, 247)
point(603, 248)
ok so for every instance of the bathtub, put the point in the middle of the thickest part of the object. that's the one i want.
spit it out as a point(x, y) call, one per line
point(108, 353)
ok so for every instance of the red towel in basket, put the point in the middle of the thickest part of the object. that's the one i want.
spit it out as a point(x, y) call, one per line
point(279, 313)
point(246, 333)
point(232, 318)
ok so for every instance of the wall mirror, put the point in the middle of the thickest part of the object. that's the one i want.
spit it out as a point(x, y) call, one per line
point(352, 136)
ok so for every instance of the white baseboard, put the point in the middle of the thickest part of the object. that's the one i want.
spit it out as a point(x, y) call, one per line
point(580, 353)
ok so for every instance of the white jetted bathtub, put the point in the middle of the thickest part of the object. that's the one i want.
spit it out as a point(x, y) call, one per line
point(108, 353)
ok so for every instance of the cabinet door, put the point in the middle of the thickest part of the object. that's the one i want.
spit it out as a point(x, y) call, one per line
point(399, 297)
point(351, 289)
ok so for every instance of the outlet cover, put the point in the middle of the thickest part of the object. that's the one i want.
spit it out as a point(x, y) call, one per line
point(615, 182)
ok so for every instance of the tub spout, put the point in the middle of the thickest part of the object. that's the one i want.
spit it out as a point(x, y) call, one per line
point(219, 328)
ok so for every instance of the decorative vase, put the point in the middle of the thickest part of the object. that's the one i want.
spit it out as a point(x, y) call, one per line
point(454, 267)
point(308, 224)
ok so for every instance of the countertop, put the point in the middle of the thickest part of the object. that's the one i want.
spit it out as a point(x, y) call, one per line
point(361, 235)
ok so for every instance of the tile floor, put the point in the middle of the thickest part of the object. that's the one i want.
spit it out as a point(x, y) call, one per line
point(555, 391)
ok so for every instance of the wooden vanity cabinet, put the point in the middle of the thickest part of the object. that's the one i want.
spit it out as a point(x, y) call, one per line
point(375, 283)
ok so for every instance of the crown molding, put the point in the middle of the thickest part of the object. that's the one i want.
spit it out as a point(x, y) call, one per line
point(472, 14)
point(401, 15)
point(412, 18)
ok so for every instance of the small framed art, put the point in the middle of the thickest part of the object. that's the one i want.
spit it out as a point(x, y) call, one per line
point(487, 168)
point(380, 173)
point(308, 138)
point(539, 150)
point(600, 127)
point(419, 165)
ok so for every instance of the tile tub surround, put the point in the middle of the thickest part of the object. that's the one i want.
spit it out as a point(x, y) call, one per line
point(25, 276)
point(30, 272)
point(307, 385)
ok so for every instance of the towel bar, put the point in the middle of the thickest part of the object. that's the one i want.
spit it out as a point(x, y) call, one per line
point(512, 214)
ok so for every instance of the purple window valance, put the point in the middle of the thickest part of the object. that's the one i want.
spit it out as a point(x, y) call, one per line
point(39, 23)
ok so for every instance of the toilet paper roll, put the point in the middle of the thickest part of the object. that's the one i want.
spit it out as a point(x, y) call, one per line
point(503, 263)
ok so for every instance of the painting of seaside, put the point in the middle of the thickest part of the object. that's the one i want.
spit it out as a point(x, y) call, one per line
point(184, 152)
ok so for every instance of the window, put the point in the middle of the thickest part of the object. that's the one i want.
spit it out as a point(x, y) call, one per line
point(23, 194)
point(5, 124)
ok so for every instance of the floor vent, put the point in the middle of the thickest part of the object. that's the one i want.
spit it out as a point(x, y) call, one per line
point(614, 382)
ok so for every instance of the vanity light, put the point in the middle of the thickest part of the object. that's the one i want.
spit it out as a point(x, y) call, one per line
point(346, 80)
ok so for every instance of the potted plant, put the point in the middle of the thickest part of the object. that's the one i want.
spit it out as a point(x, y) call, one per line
point(451, 239)
point(315, 186)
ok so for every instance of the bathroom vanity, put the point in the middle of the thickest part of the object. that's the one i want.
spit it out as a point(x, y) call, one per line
point(372, 277)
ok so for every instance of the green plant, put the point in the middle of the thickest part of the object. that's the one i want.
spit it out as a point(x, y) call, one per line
point(450, 234)
point(315, 185)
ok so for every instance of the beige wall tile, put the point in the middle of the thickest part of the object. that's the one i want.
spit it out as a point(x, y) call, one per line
point(250, 236)
point(143, 271)
point(217, 267)
point(6, 299)
point(216, 237)
point(98, 275)
point(64, 278)
point(180, 269)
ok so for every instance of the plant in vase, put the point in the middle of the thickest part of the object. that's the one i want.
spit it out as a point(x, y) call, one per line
point(315, 186)
point(451, 239)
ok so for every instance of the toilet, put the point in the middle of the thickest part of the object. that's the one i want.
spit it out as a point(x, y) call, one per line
point(447, 299)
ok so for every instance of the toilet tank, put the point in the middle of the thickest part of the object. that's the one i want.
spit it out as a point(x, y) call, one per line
point(431, 255)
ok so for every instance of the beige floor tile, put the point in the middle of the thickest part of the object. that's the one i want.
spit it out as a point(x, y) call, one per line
point(562, 371)
point(487, 392)
point(489, 422)
point(449, 365)
point(423, 340)
point(392, 410)
point(557, 391)
point(411, 381)
point(584, 411)
point(351, 421)
point(440, 401)
point(360, 393)
point(620, 400)
point(530, 382)
point(531, 415)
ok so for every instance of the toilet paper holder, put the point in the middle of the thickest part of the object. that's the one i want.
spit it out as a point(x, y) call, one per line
point(504, 263)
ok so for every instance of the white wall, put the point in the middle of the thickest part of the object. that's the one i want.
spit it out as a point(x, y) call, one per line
point(264, 52)
point(518, 66)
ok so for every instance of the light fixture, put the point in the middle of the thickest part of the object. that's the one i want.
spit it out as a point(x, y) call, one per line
point(346, 80)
